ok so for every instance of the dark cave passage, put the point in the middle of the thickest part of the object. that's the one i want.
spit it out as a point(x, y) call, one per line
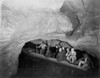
point(31, 66)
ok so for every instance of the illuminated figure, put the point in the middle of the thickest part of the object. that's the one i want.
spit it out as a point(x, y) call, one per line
point(71, 55)
point(43, 47)
point(83, 62)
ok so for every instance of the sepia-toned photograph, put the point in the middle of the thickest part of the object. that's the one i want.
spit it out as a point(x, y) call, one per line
point(49, 38)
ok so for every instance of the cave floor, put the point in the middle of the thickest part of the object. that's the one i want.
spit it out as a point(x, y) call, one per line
point(33, 67)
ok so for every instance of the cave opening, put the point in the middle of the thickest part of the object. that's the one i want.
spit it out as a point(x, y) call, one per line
point(32, 66)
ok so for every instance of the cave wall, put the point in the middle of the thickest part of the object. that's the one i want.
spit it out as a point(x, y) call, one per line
point(88, 23)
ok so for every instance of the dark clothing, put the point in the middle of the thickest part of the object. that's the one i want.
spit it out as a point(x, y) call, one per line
point(61, 56)
point(52, 52)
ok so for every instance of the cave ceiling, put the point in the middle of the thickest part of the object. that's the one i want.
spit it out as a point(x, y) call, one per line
point(71, 20)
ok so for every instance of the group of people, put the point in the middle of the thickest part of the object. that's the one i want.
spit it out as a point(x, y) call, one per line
point(64, 54)
point(71, 55)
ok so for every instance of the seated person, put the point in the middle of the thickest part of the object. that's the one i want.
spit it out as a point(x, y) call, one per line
point(71, 55)
point(68, 50)
point(83, 62)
